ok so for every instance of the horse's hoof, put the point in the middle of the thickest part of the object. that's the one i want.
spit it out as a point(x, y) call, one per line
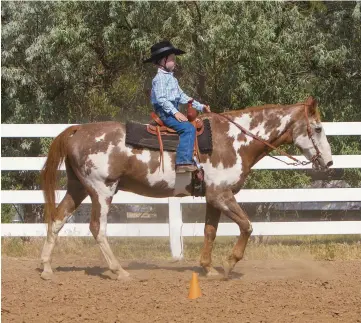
point(46, 275)
point(120, 272)
point(227, 269)
point(124, 278)
point(123, 273)
point(212, 273)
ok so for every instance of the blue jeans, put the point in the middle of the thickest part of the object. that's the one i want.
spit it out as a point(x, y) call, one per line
point(187, 134)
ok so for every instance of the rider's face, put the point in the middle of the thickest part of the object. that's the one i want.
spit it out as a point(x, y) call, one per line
point(169, 62)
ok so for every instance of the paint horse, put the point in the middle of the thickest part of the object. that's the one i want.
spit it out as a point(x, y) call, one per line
point(99, 163)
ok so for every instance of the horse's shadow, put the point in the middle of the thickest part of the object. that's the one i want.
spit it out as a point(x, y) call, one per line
point(105, 273)
point(91, 271)
point(97, 271)
point(135, 265)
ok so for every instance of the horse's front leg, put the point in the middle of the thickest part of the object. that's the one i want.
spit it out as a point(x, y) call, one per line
point(210, 231)
point(225, 202)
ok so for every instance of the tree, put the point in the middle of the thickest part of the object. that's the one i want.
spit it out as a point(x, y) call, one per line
point(77, 62)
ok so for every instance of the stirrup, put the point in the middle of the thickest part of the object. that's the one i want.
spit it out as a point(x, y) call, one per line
point(185, 168)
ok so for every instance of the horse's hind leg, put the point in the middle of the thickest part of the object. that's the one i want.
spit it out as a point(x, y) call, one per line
point(73, 198)
point(98, 224)
point(210, 230)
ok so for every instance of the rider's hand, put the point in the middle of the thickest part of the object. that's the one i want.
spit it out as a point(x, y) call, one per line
point(206, 108)
point(180, 117)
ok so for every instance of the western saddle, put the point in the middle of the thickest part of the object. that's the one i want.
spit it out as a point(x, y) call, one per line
point(157, 127)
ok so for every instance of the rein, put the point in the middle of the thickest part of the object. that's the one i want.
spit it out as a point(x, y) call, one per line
point(296, 162)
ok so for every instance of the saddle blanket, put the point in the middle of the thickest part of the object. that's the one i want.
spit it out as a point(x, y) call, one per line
point(138, 136)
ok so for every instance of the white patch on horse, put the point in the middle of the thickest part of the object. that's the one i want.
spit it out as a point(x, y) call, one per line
point(231, 175)
point(100, 161)
point(158, 176)
point(250, 226)
point(244, 121)
point(260, 131)
point(104, 208)
point(144, 156)
point(103, 195)
point(225, 207)
point(284, 121)
point(58, 224)
point(100, 138)
point(96, 180)
point(168, 175)
point(322, 144)
point(303, 142)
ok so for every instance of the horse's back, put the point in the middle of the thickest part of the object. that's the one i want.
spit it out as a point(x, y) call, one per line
point(100, 128)
point(93, 140)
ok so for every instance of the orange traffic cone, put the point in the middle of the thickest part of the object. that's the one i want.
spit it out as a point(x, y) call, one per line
point(194, 290)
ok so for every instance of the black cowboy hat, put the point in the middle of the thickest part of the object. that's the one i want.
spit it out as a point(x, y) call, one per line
point(162, 49)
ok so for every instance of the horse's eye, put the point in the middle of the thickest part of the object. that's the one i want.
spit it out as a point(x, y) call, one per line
point(318, 129)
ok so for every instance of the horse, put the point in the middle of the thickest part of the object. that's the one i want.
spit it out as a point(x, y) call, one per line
point(99, 163)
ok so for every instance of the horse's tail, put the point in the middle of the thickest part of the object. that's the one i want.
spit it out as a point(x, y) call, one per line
point(57, 153)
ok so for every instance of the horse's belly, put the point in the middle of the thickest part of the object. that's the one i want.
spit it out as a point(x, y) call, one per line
point(220, 176)
point(180, 186)
point(159, 189)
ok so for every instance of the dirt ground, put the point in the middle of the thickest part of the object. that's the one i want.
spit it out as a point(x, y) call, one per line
point(259, 291)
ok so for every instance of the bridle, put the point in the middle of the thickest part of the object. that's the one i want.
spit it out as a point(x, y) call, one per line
point(296, 162)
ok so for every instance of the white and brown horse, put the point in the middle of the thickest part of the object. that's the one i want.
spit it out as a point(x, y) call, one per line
point(98, 163)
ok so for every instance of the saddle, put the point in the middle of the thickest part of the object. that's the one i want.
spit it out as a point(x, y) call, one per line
point(157, 127)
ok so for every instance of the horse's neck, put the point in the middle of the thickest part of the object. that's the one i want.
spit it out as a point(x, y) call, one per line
point(269, 124)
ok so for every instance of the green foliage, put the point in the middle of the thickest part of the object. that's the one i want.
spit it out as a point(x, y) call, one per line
point(76, 62)
point(7, 213)
point(264, 179)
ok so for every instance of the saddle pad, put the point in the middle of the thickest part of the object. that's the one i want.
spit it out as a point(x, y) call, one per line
point(138, 136)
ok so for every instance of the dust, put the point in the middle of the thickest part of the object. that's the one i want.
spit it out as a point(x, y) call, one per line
point(296, 290)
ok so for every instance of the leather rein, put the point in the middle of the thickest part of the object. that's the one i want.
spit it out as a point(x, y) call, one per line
point(296, 162)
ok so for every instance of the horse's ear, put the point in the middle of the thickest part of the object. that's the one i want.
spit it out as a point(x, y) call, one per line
point(312, 105)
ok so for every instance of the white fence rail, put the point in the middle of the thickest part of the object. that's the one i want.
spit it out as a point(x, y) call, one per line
point(52, 130)
point(189, 229)
point(244, 196)
point(176, 229)
point(339, 161)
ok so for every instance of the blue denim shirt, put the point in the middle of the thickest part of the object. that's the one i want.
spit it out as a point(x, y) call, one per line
point(166, 95)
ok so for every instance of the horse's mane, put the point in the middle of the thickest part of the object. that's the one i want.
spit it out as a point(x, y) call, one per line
point(261, 107)
point(269, 106)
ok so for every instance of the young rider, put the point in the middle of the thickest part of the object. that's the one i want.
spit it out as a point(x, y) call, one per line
point(166, 96)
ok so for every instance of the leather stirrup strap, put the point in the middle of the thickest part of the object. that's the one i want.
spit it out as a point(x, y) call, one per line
point(161, 157)
point(196, 148)
point(156, 119)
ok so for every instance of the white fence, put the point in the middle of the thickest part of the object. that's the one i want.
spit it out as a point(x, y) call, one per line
point(176, 229)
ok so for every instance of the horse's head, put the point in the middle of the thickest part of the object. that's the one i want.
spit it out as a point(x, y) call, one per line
point(309, 136)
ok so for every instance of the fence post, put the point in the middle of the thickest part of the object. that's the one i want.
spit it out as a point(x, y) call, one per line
point(175, 227)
